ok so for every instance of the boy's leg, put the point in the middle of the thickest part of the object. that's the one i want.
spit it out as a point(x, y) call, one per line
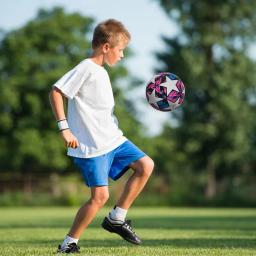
point(84, 216)
point(115, 222)
point(142, 171)
point(99, 196)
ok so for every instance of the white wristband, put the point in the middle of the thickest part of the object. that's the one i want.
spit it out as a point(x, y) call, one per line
point(63, 124)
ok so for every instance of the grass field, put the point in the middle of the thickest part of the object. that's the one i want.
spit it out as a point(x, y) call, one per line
point(165, 231)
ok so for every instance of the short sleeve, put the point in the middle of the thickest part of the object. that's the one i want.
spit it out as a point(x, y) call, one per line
point(71, 82)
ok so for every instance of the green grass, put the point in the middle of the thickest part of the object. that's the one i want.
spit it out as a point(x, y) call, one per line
point(165, 231)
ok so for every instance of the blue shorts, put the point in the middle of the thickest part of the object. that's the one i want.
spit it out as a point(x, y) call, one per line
point(114, 164)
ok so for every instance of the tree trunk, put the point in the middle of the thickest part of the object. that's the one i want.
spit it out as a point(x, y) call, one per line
point(211, 186)
point(27, 184)
point(55, 184)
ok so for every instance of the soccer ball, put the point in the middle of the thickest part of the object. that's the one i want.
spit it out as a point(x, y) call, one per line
point(165, 91)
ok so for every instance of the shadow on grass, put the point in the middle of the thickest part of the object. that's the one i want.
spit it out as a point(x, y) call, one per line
point(178, 243)
point(183, 223)
point(217, 243)
point(204, 243)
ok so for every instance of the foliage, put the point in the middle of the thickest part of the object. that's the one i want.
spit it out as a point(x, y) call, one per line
point(214, 143)
point(207, 157)
point(32, 58)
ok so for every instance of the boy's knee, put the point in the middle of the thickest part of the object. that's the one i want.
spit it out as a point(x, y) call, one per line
point(147, 167)
point(100, 199)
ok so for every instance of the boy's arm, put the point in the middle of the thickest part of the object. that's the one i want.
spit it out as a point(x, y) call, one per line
point(56, 100)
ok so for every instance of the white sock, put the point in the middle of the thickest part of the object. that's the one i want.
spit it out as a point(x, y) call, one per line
point(68, 240)
point(118, 213)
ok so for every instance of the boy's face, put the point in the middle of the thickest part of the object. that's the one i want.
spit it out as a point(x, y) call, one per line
point(114, 54)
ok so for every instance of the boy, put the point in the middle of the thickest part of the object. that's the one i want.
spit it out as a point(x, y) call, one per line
point(93, 138)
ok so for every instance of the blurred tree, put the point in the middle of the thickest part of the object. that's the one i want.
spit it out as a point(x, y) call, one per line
point(215, 136)
point(32, 58)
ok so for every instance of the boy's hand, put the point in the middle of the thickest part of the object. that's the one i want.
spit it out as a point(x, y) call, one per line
point(70, 140)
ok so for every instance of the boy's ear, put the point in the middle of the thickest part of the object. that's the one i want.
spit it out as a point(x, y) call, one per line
point(105, 47)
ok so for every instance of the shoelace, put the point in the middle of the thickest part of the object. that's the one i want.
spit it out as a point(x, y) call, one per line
point(127, 224)
point(74, 248)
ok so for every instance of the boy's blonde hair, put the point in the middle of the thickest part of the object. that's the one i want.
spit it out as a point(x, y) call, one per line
point(110, 31)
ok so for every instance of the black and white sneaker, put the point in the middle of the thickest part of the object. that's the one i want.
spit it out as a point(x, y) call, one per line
point(122, 228)
point(70, 248)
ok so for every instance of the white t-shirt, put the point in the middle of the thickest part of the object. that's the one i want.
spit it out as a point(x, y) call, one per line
point(90, 110)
